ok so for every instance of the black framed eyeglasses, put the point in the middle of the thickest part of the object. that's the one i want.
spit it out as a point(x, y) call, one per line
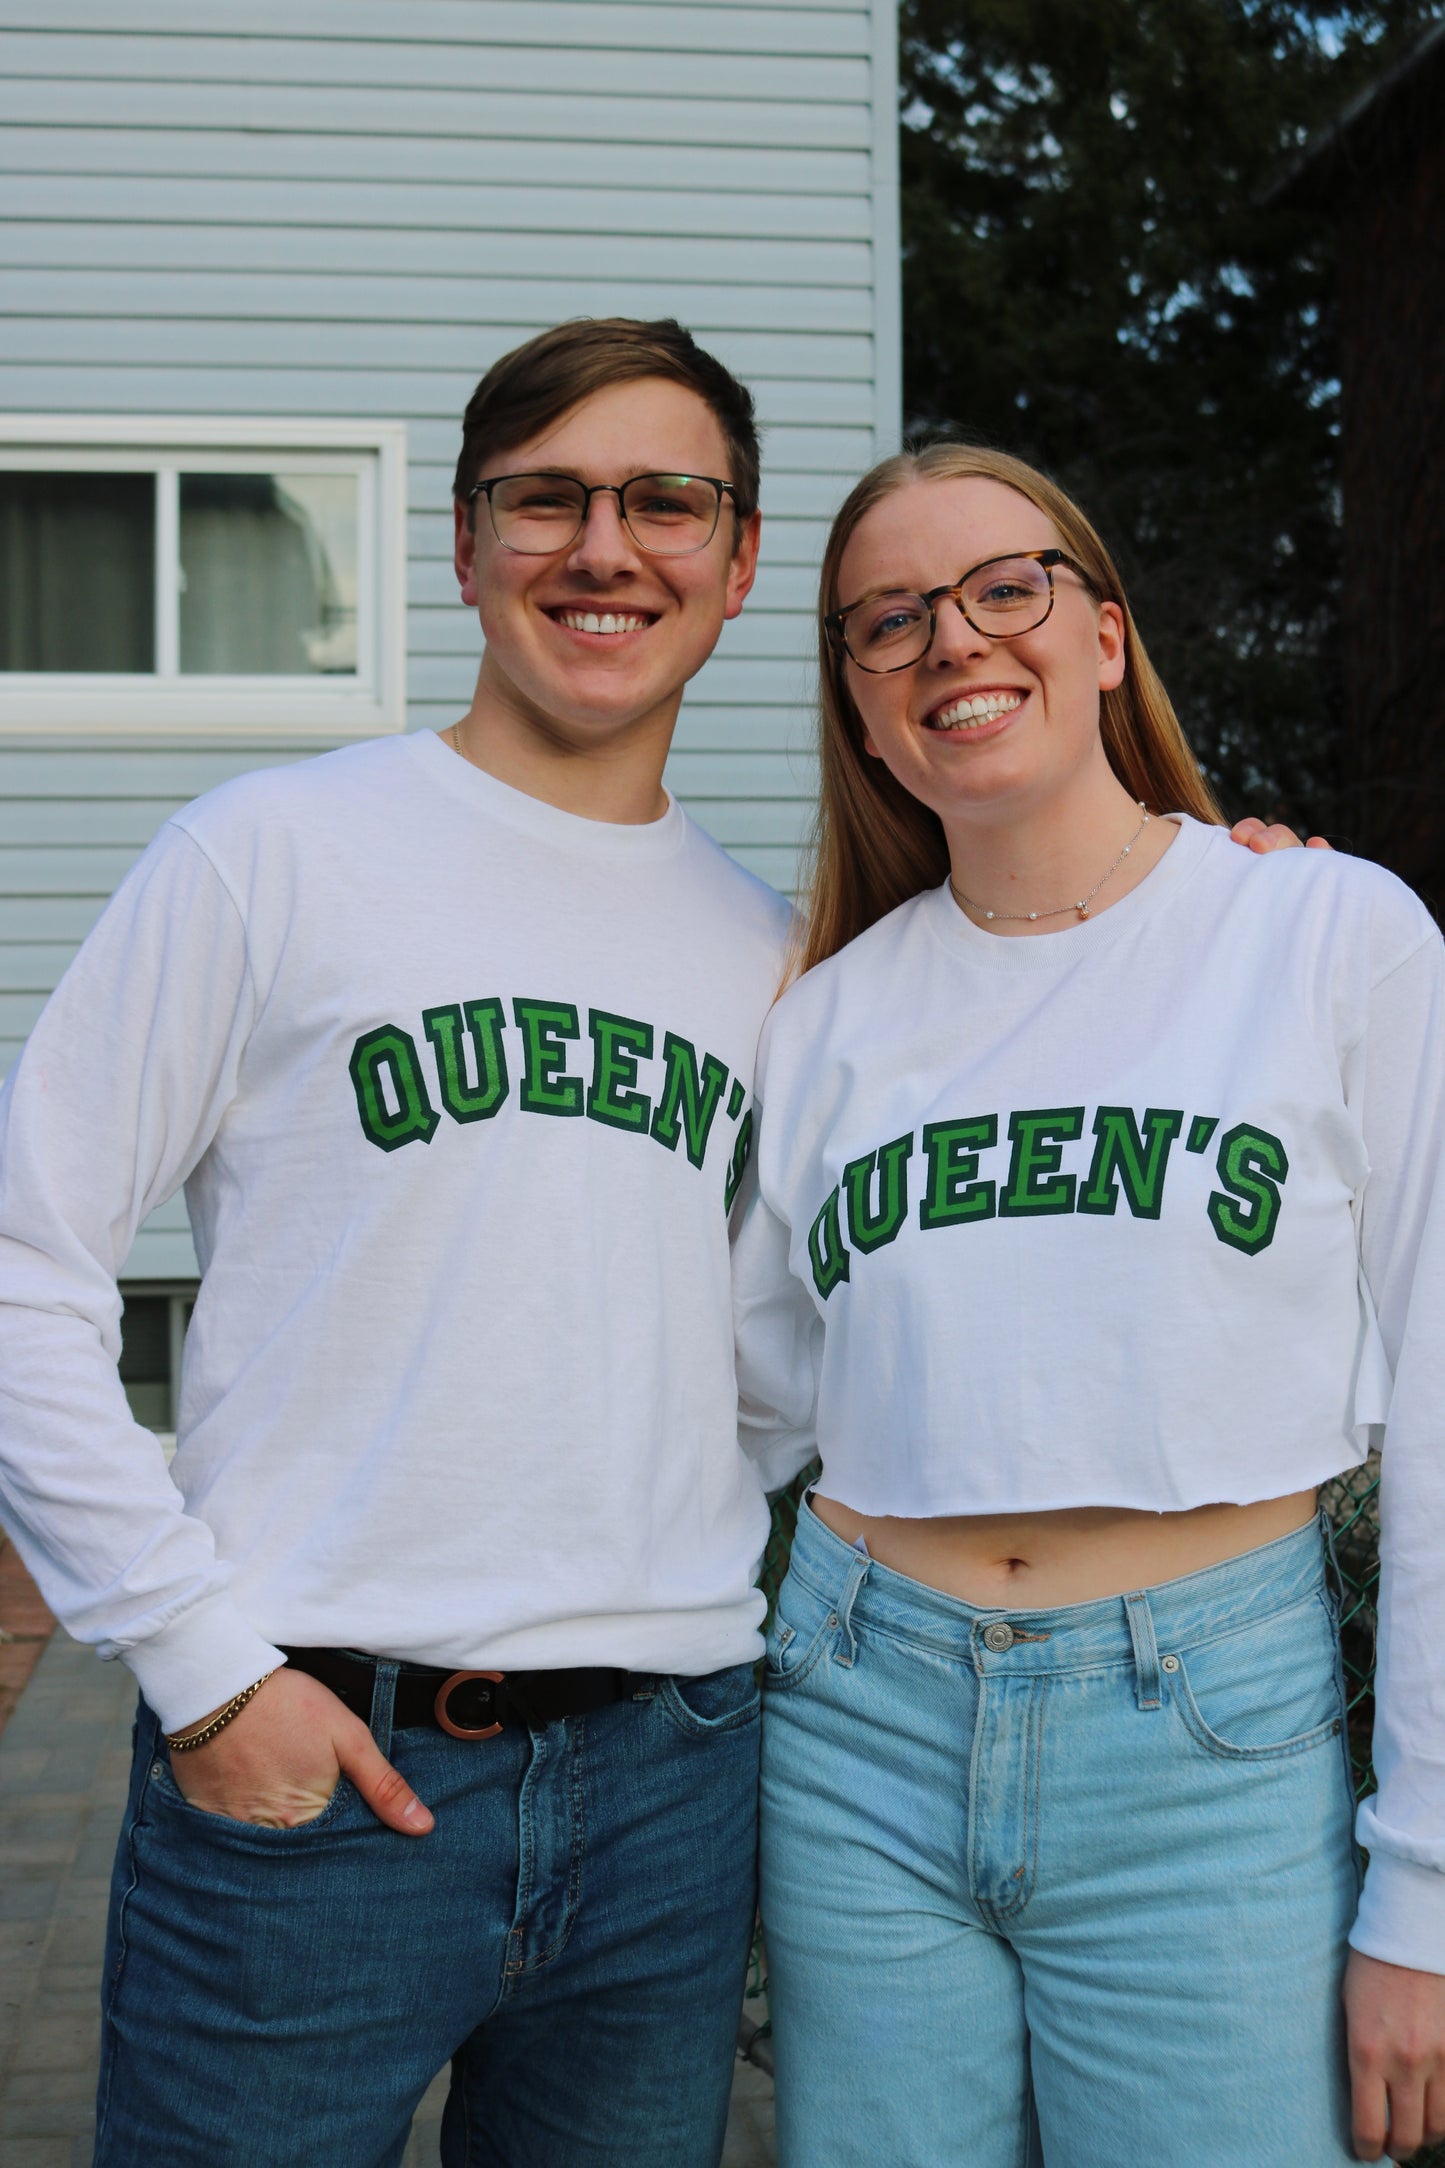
point(1001, 598)
point(669, 515)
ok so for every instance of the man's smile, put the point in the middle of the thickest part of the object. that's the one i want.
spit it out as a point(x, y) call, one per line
point(603, 623)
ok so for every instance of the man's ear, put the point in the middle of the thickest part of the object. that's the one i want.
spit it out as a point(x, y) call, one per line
point(464, 555)
point(743, 569)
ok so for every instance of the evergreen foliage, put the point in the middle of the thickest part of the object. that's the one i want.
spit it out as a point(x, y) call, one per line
point(1102, 274)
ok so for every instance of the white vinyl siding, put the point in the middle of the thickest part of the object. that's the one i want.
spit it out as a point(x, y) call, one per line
point(347, 209)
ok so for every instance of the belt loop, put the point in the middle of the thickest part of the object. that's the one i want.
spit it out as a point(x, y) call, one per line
point(1147, 1682)
point(857, 1574)
point(383, 1699)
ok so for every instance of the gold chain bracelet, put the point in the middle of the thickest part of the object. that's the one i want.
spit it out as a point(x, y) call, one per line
point(179, 1742)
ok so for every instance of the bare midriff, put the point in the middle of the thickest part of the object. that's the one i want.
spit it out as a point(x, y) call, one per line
point(1035, 1561)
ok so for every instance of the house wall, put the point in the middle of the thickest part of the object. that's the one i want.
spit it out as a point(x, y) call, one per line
point(349, 208)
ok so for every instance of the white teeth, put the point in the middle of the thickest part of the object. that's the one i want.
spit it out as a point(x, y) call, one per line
point(606, 621)
point(978, 708)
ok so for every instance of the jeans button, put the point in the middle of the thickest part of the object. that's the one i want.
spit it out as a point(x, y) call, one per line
point(998, 1637)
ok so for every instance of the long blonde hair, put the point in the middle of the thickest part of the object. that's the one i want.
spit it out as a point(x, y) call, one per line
point(873, 844)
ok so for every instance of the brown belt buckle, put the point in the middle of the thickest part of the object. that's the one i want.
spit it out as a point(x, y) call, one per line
point(444, 1693)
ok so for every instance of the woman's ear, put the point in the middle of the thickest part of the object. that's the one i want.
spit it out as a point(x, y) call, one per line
point(1113, 647)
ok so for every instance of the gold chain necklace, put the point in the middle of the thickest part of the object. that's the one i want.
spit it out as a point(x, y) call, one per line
point(1082, 906)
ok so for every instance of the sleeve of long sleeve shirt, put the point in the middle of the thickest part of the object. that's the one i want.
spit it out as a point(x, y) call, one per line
point(779, 1343)
point(1398, 1081)
point(117, 1094)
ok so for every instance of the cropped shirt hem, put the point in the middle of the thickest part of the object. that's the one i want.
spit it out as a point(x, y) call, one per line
point(968, 1503)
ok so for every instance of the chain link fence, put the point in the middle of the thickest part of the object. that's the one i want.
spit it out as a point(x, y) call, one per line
point(1352, 1502)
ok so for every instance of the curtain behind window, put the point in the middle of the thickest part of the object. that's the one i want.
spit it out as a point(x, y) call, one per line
point(77, 571)
point(262, 589)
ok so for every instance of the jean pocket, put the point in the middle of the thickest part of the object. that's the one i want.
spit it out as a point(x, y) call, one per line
point(802, 1629)
point(1269, 1689)
point(713, 1702)
point(169, 1801)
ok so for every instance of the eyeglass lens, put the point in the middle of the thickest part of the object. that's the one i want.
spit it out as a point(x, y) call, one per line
point(669, 514)
point(1001, 600)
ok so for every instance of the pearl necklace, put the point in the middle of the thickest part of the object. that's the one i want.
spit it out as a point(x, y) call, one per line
point(1082, 906)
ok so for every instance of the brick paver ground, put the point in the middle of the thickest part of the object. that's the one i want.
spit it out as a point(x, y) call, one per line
point(64, 1761)
point(25, 1627)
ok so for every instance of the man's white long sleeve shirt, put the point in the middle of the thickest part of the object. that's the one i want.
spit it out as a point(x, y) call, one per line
point(459, 1088)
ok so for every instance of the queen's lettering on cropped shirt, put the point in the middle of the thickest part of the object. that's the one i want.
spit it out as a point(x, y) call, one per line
point(930, 1179)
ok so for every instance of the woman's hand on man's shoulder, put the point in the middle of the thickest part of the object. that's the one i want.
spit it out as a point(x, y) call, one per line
point(1263, 836)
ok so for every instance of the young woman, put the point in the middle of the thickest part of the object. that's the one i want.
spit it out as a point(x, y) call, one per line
point(1099, 1222)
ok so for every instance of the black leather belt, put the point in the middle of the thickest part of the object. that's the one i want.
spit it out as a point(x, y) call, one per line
point(469, 1704)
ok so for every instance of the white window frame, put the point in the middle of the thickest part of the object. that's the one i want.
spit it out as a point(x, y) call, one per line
point(166, 703)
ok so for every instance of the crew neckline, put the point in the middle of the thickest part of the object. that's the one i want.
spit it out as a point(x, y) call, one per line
point(573, 833)
point(1052, 951)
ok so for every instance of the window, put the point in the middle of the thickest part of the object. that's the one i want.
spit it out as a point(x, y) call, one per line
point(183, 576)
point(152, 1334)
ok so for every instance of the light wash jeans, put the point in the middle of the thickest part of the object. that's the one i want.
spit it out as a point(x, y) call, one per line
point(1066, 1886)
point(573, 1934)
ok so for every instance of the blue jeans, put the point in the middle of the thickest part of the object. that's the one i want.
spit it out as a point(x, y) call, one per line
point(1067, 1885)
point(572, 1935)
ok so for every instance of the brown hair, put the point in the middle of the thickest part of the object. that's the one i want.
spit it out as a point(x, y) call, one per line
point(873, 844)
point(536, 384)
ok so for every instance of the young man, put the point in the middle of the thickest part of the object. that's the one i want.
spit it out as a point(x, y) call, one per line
point(444, 1617)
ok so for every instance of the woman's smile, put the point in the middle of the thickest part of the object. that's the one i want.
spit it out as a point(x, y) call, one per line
point(976, 711)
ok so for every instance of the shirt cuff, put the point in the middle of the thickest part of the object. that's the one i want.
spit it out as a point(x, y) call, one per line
point(1401, 1919)
point(198, 1661)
